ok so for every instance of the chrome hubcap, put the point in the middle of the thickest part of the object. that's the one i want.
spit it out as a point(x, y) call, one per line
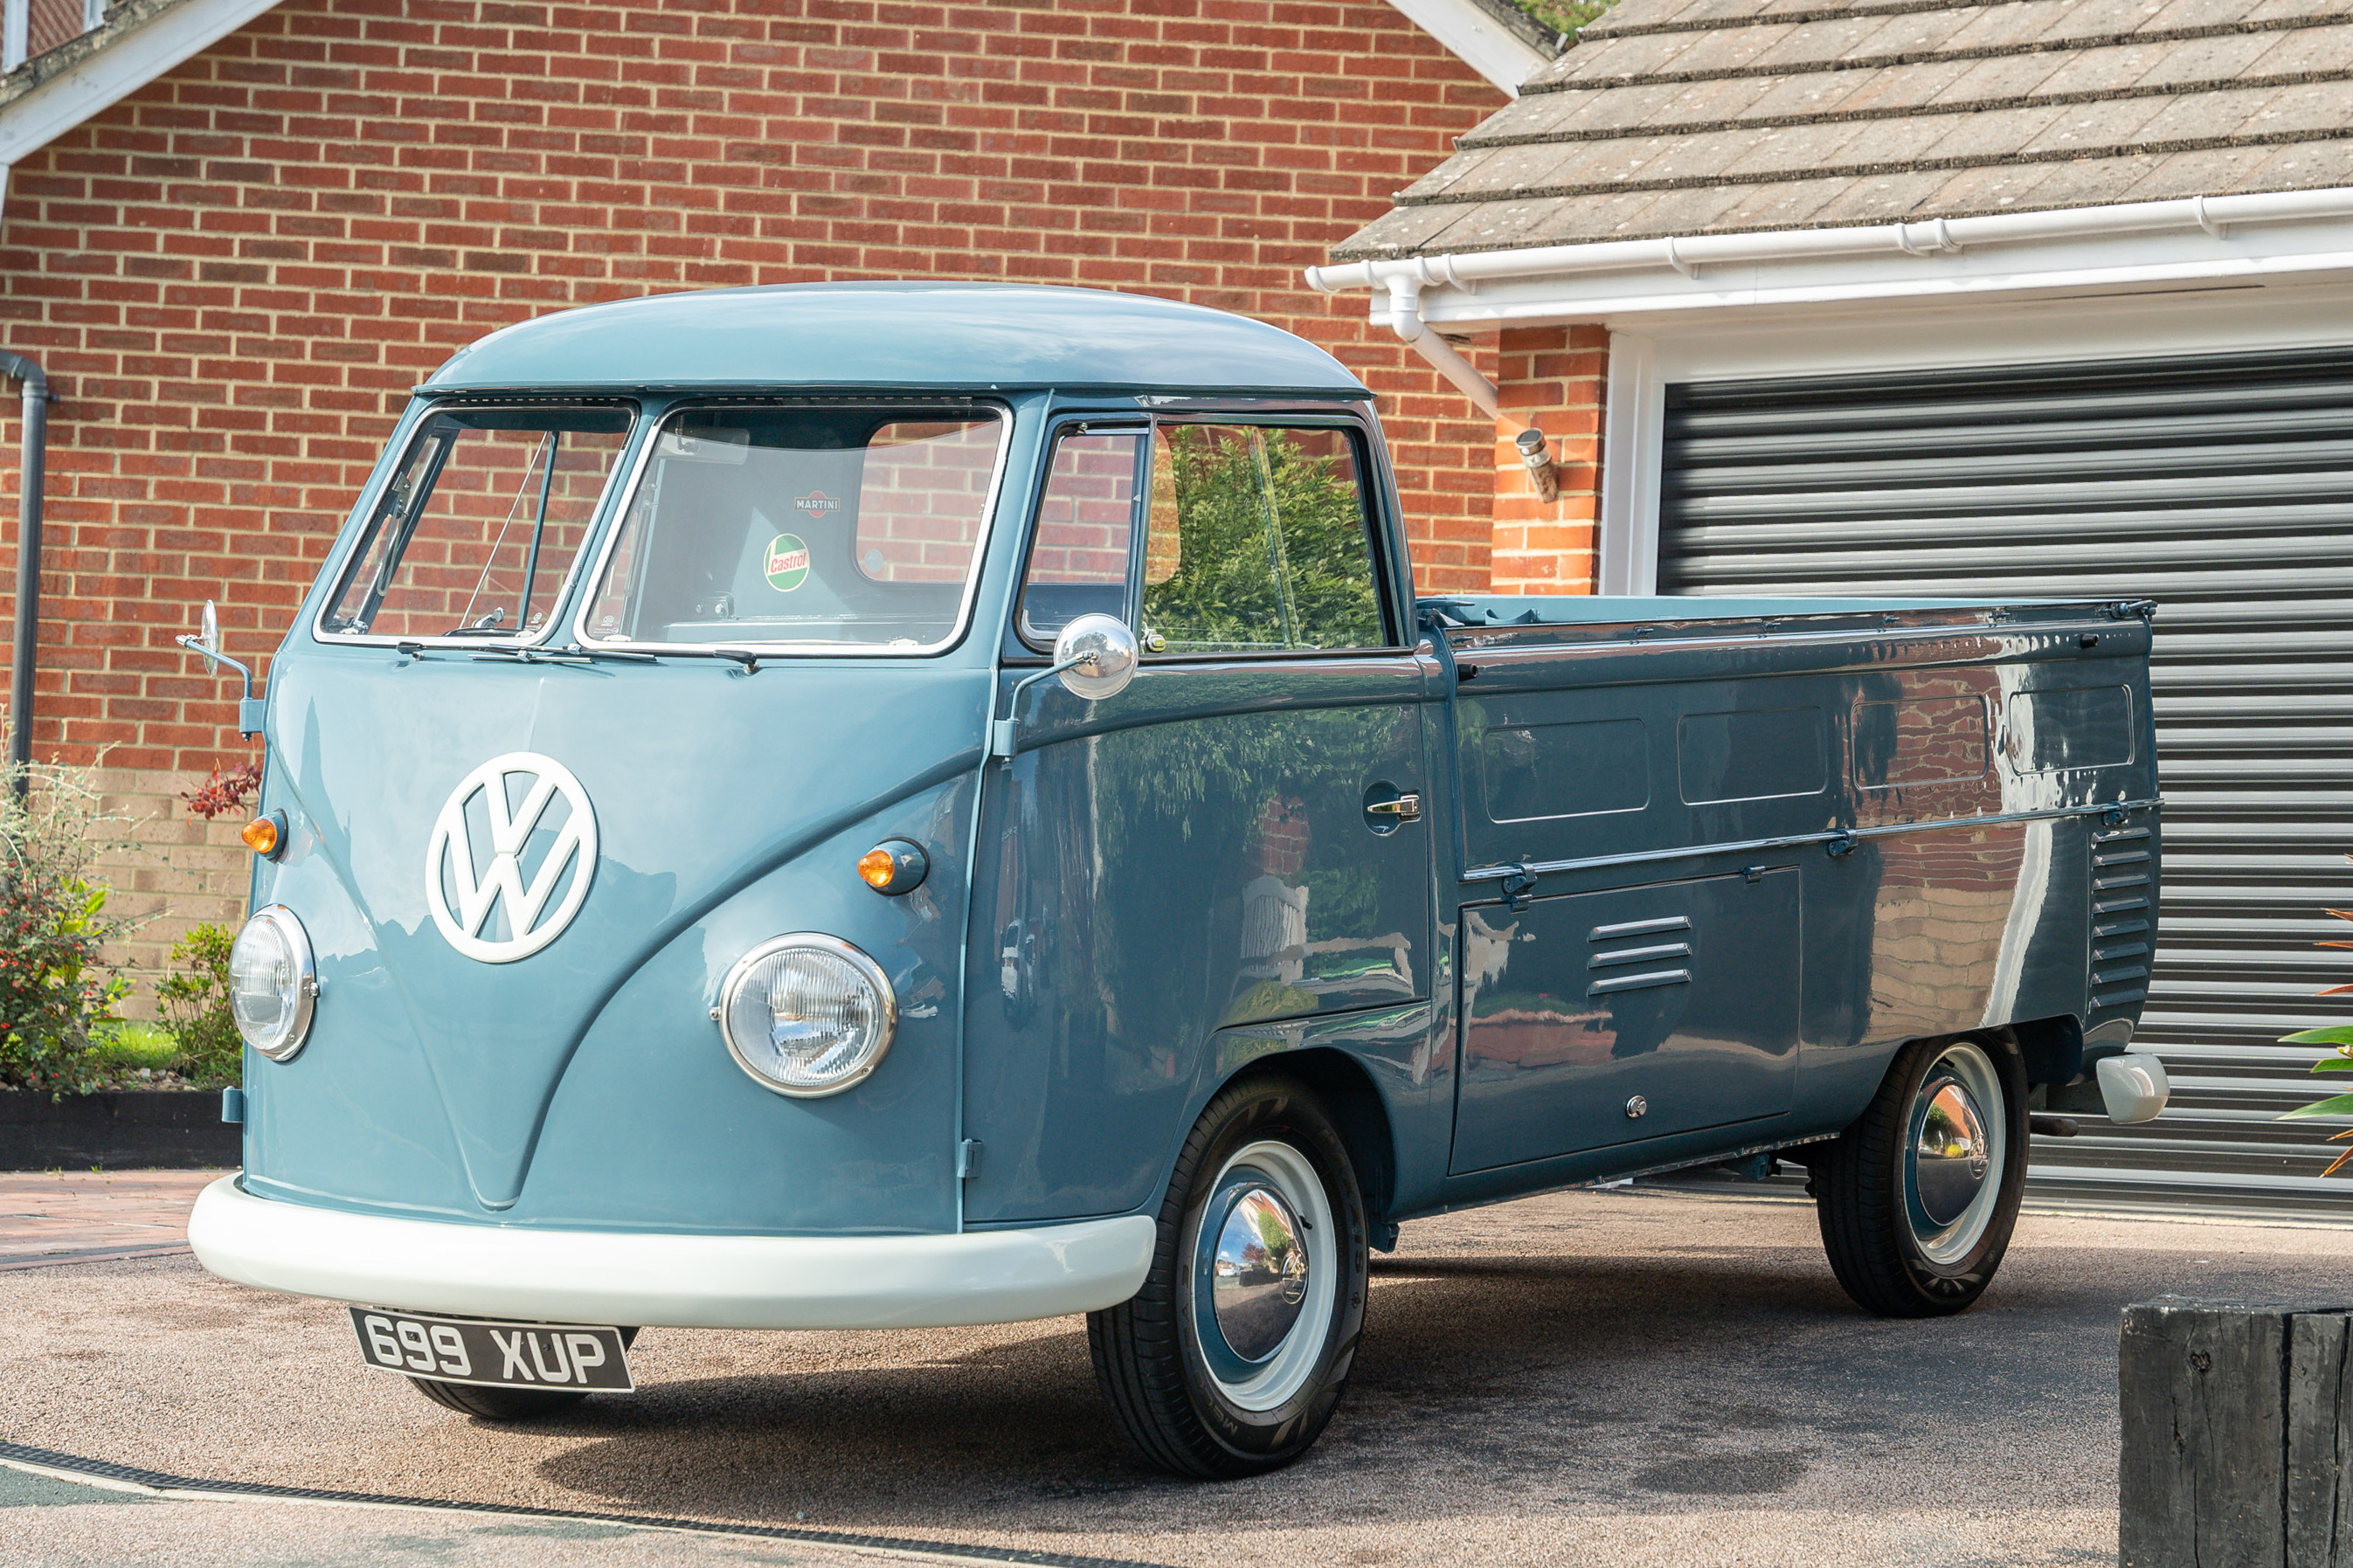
point(1261, 1275)
point(1263, 1280)
point(1950, 1154)
point(1954, 1153)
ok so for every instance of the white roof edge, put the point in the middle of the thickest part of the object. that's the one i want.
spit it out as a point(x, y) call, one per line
point(112, 73)
point(1477, 39)
point(2250, 237)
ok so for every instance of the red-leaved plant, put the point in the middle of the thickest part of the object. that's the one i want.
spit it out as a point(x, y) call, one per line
point(224, 791)
point(2340, 1060)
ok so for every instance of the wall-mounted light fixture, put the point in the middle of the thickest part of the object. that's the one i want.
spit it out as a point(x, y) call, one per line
point(1537, 456)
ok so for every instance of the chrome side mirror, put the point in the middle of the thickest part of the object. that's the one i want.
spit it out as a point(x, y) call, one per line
point(206, 643)
point(1099, 654)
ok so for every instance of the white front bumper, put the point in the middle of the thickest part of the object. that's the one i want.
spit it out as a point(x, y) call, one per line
point(671, 1280)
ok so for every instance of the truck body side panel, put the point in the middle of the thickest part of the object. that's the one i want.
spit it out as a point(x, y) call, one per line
point(1716, 871)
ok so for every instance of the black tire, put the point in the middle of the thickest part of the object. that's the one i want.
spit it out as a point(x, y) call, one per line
point(502, 1403)
point(1884, 1238)
point(1153, 1354)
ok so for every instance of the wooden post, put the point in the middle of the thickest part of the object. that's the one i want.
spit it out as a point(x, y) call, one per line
point(2238, 1422)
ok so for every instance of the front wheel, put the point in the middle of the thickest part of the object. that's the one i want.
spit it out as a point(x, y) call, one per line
point(1919, 1198)
point(1232, 1357)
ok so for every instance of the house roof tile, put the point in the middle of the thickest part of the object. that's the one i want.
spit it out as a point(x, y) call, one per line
point(1681, 117)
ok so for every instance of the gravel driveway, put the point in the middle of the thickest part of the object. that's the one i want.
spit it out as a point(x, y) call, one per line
point(1627, 1377)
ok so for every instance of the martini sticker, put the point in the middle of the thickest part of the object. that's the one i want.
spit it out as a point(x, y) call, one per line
point(787, 563)
point(817, 503)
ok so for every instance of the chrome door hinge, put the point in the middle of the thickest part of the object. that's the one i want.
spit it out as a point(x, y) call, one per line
point(967, 1159)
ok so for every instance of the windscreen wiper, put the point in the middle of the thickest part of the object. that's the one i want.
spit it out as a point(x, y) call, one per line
point(567, 653)
point(530, 655)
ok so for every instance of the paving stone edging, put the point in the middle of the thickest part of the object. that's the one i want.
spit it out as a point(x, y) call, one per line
point(117, 1130)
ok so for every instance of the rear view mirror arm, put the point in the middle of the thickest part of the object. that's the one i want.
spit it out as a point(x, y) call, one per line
point(1001, 731)
point(248, 707)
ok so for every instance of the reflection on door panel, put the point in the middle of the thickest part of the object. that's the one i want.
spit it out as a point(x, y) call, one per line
point(1684, 994)
point(2090, 727)
point(1921, 740)
point(1535, 771)
point(1753, 754)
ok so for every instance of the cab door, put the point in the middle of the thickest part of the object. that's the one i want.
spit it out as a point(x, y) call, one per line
point(1232, 840)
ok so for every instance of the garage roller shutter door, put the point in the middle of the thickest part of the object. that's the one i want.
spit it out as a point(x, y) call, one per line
point(2221, 488)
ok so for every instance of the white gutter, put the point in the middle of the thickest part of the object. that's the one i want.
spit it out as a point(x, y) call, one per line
point(1938, 236)
point(1612, 280)
point(1405, 318)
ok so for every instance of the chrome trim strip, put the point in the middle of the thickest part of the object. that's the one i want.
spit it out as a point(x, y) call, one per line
point(1612, 957)
point(1846, 836)
point(1639, 928)
point(1640, 981)
point(619, 520)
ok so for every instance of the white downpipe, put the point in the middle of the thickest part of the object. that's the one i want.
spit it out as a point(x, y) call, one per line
point(1691, 256)
point(1405, 318)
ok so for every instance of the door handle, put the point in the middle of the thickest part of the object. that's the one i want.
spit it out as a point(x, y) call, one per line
point(1405, 808)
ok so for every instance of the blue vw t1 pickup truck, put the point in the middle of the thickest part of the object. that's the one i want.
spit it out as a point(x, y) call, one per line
point(877, 806)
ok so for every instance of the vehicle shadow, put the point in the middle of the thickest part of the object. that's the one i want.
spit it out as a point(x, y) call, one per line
point(1485, 1383)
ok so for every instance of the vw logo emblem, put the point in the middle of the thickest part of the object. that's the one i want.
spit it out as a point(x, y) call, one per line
point(463, 885)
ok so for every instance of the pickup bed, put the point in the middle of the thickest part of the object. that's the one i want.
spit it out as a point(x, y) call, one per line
point(1716, 859)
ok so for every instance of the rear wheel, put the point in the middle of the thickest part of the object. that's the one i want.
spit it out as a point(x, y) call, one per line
point(502, 1403)
point(1232, 1357)
point(1919, 1198)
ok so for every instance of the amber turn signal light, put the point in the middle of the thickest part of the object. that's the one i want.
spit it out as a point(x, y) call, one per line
point(893, 866)
point(265, 836)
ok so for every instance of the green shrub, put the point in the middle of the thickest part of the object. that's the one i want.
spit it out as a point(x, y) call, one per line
point(2339, 1060)
point(195, 997)
point(53, 987)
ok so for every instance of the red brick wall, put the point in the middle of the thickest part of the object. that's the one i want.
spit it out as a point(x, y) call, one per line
point(1552, 378)
point(235, 275)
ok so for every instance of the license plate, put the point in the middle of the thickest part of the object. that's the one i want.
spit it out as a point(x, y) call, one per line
point(494, 1355)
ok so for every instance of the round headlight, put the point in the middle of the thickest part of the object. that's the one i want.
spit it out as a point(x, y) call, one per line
point(808, 1014)
point(272, 982)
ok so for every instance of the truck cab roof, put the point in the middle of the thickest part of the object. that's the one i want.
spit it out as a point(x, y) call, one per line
point(962, 336)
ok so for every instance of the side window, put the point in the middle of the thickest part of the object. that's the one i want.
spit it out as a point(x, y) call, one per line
point(1077, 560)
point(1257, 539)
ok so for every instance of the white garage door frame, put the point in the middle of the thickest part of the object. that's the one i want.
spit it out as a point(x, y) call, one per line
point(1649, 353)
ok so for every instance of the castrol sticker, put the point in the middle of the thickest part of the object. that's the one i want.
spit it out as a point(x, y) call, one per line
point(787, 565)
